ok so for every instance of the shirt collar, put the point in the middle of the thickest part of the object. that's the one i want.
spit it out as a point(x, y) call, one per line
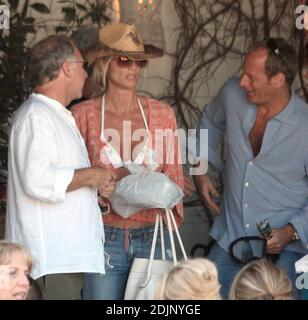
point(285, 116)
point(55, 104)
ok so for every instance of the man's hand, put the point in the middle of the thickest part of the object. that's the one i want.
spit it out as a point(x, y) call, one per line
point(98, 178)
point(189, 187)
point(102, 178)
point(107, 191)
point(207, 192)
point(122, 173)
point(280, 238)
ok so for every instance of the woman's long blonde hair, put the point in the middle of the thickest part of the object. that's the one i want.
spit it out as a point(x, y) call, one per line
point(194, 279)
point(8, 249)
point(96, 83)
point(261, 280)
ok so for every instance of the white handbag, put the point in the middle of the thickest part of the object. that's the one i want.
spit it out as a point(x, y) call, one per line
point(145, 274)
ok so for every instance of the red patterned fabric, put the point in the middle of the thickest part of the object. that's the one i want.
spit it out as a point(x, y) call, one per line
point(161, 116)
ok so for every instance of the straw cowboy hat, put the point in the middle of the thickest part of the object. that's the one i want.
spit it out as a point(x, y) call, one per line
point(122, 39)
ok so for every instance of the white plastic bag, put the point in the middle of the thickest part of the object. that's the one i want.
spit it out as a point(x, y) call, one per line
point(144, 189)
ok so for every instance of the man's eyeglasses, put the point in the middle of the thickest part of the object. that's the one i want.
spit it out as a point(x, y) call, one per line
point(85, 64)
point(273, 47)
point(124, 62)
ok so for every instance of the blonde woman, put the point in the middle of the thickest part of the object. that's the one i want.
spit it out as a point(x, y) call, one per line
point(194, 279)
point(15, 267)
point(117, 63)
point(261, 280)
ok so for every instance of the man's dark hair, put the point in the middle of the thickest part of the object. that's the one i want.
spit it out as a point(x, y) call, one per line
point(282, 58)
point(85, 38)
point(46, 58)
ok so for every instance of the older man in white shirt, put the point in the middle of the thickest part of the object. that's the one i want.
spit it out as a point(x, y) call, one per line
point(52, 204)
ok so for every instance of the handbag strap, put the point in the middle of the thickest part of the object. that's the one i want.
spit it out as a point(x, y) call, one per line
point(178, 234)
point(153, 247)
point(159, 221)
point(175, 261)
point(162, 238)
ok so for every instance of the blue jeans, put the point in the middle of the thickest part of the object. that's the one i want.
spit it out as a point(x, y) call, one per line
point(227, 269)
point(111, 285)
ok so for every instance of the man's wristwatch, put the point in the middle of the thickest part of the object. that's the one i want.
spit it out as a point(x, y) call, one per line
point(295, 235)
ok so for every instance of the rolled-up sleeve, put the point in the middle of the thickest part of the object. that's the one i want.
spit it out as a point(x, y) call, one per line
point(36, 158)
point(64, 177)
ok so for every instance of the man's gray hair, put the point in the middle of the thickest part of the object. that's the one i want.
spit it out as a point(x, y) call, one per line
point(46, 58)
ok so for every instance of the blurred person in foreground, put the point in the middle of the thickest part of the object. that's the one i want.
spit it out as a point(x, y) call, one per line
point(15, 267)
point(261, 280)
point(194, 279)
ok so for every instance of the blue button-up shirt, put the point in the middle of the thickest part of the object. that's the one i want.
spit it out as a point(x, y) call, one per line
point(273, 185)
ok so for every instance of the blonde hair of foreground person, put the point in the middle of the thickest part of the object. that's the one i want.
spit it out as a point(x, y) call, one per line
point(194, 279)
point(261, 280)
point(15, 266)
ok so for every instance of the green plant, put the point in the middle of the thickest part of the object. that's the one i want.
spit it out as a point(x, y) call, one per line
point(77, 13)
point(13, 49)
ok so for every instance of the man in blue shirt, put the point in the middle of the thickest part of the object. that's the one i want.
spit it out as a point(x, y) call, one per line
point(265, 173)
